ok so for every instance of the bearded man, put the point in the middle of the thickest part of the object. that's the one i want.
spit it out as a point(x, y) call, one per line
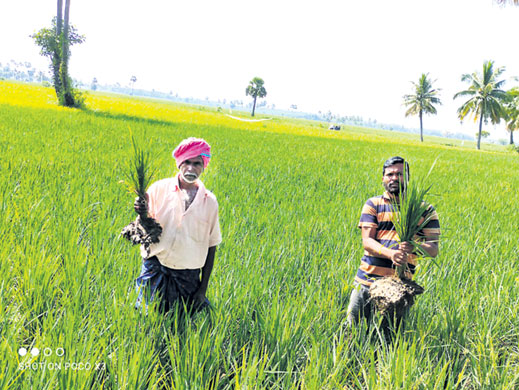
point(382, 250)
point(179, 266)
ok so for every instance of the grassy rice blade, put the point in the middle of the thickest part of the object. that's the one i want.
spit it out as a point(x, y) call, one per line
point(140, 172)
point(413, 212)
point(144, 230)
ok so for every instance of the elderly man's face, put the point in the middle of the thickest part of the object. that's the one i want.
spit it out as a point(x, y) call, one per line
point(192, 168)
point(393, 178)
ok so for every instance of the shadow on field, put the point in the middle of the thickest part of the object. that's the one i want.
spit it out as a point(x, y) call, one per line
point(126, 117)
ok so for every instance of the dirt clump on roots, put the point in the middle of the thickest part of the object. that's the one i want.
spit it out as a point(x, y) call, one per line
point(393, 296)
point(144, 231)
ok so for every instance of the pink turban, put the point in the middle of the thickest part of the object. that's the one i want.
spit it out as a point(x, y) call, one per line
point(191, 148)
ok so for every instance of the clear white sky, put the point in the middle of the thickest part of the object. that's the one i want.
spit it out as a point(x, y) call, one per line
point(350, 57)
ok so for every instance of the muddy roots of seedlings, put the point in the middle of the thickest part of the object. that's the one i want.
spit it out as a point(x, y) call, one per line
point(393, 296)
point(144, 231)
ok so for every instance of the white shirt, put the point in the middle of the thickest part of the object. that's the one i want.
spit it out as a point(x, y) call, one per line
point(186, 235)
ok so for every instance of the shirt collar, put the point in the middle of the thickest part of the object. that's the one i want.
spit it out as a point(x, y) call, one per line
point(388, 196)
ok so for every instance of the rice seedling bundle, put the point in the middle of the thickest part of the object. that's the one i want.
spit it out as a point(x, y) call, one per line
point(144, 230)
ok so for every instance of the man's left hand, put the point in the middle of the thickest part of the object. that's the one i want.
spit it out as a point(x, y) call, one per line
point(406, 247)
point(199, 298)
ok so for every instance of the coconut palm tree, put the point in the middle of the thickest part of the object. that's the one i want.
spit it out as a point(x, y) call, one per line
point(421, 102)
point(486, 96)
point(512, 113)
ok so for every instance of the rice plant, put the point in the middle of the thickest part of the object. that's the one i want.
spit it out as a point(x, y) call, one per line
point(413, 212)
point(144, 230)
point(140, 172)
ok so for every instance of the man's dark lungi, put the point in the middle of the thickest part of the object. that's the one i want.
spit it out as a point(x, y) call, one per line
point(171, 285)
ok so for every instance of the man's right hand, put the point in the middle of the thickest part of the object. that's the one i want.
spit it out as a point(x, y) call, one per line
point(399, 257)
point(141, 205)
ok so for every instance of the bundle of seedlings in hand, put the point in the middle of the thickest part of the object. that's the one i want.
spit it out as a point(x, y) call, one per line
point(144, 230)
point(393, 295)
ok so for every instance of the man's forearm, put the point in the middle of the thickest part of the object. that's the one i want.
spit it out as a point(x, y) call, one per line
point(430, 248)
point(207, 268)
point(375, 248)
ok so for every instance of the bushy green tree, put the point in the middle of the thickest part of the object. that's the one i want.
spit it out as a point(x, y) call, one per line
point(486, 98)
point(55, 43)
point(484, 134)
point(256, 90)
point(423, 100)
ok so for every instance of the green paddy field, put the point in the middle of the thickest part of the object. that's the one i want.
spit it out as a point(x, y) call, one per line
point(290, 194)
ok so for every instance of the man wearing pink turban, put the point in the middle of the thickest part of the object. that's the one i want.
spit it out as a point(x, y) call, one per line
point(178, 267)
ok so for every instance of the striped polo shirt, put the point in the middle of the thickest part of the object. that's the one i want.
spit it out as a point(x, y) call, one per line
point(378, 212)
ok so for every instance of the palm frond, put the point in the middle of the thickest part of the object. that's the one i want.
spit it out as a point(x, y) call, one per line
point(429, 109)
point(410, 111)
point(499, 84)
point(467, 92)
point(467, 107)
point(467, 77)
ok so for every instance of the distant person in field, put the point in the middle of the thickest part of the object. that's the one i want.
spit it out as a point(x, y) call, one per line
point(382, 252)
point(179, 266)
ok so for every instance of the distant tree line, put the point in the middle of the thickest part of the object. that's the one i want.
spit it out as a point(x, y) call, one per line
point(22, 71)
point(487, 100)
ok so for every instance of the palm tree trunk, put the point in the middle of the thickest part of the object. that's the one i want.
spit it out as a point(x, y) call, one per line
point(55, 73)
point(59, 18)
point(480, 127)
point(56, 58)
point(421, 127)
point(511, 137)
point(253, 106)
point(68, 99)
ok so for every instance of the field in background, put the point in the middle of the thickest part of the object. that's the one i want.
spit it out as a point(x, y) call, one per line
point(290, 195)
